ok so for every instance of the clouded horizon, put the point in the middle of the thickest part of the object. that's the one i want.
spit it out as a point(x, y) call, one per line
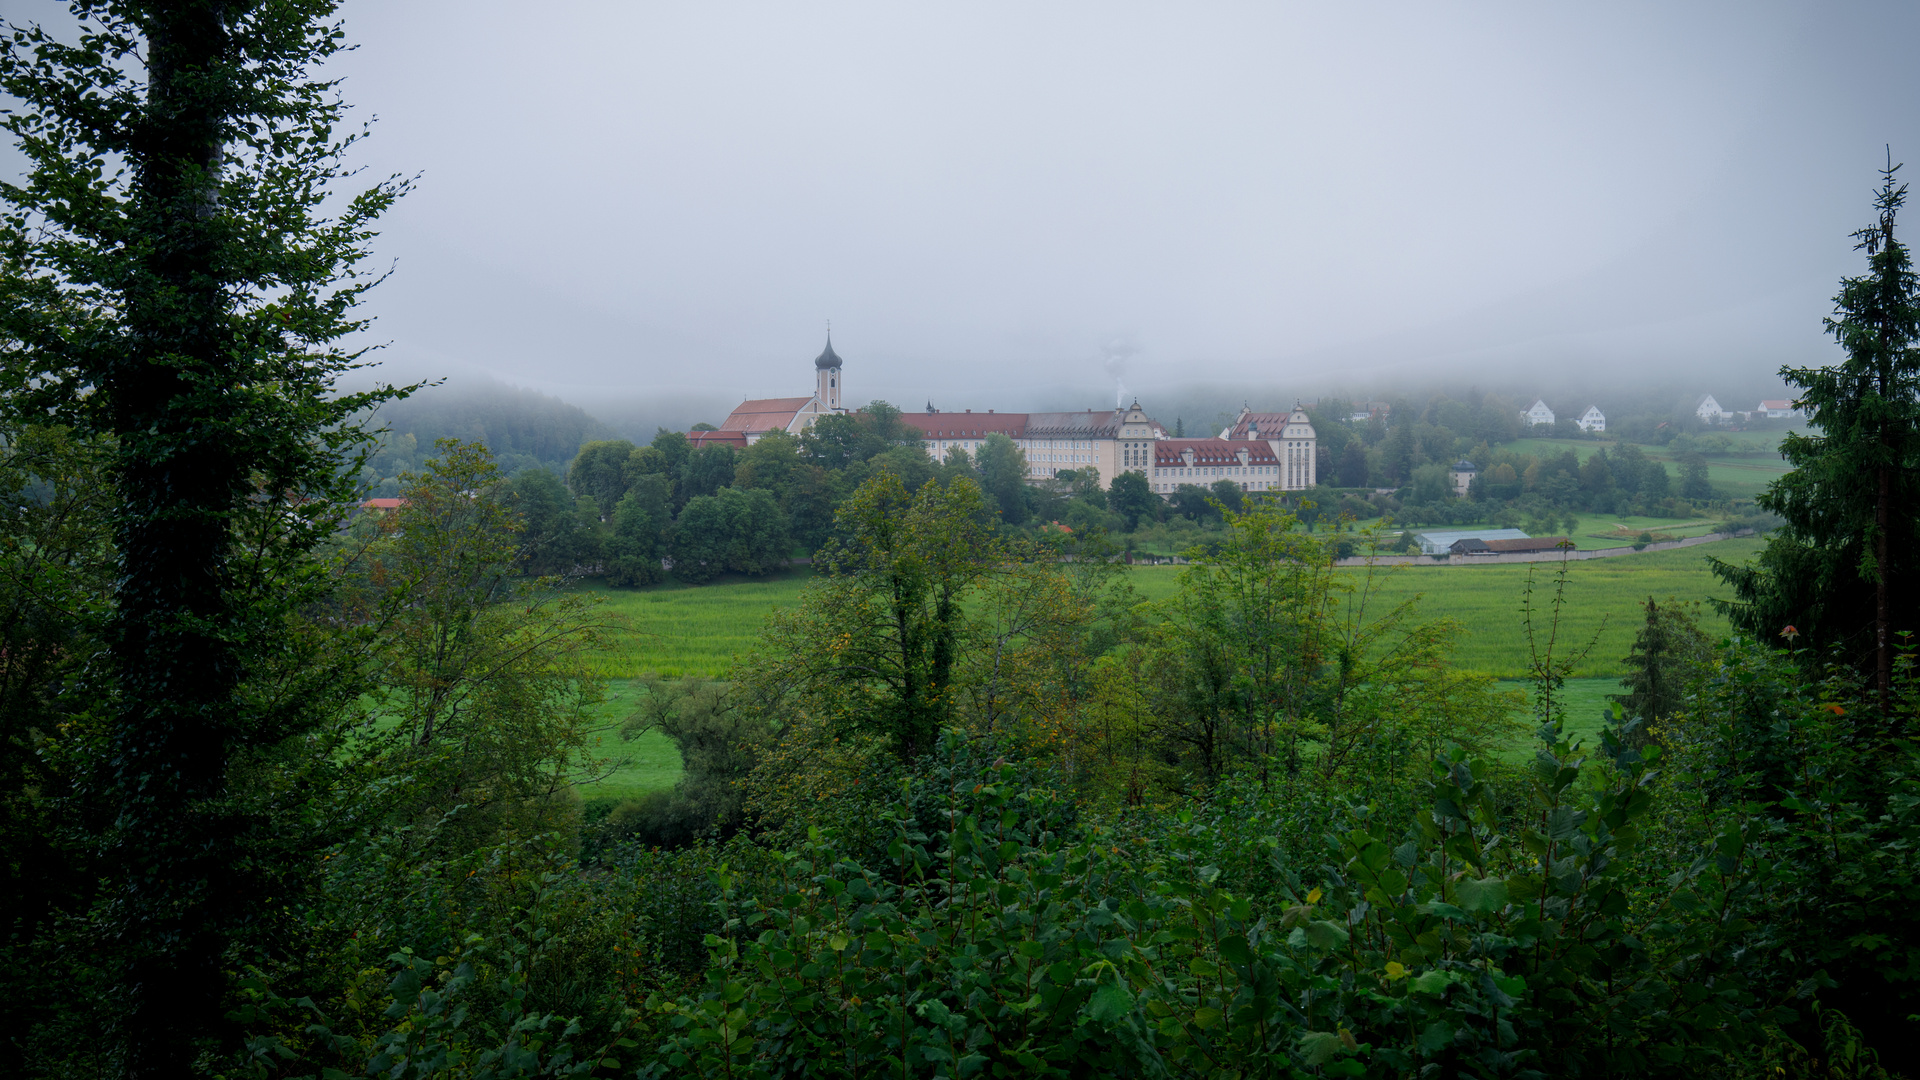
point(1005, 204)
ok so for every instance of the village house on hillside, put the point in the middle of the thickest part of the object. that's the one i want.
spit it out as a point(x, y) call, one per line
point(1593, 419)
point(1775, 409)
point(1709, 410)
point(1268, 451)
point(1461, 476)
point(1537, 414)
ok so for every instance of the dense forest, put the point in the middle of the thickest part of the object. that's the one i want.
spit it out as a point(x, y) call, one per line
point(290, 789)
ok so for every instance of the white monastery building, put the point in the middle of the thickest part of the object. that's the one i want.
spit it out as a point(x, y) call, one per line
point(1537, 414)
point(1593, 419)
point(1258, 451)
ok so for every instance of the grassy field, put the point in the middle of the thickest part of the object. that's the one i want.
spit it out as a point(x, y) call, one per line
point(697, 631)
point(1741, 475)
point(689, 630)
point(1613, 531)
point(1587, 710)
point(1603, 601)
point(648, 763)
point(1594, 531)
point(680, 630)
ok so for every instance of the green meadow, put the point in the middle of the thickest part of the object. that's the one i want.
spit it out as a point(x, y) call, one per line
point(699, 629)
point(1586, 706)
point(1597, 531)
point(1743, 474)
point(648, 763)
point(1603, 601)
point(677, 630)
point(1614, 531)
point(681, 630)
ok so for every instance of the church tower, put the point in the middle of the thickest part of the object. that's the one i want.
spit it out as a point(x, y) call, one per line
point(826, 369)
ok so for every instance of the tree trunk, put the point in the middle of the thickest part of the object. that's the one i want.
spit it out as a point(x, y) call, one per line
point(1882, 613)
point(172, 635)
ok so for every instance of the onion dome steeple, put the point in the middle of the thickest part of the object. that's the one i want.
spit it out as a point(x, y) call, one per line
point(826, 376)
point(828, 358)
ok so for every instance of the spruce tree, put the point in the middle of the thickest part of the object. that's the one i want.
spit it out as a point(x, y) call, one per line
point(192, 280)
point(1669, 652)
point(1842, 570)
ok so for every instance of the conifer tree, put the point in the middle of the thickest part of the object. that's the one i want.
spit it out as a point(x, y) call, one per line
point(1842, 570)
point(190, 288)
point(1668, 653)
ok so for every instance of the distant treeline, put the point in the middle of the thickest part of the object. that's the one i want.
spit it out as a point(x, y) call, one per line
point(523, 429)
point(630, 511)
point(596, 504)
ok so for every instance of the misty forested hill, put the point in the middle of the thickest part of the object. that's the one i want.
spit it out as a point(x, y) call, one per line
point(524, 429)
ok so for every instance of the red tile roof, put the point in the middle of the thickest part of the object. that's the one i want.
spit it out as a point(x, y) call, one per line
point(967, 425)
point(1167, 452)
point(1090, 424)
point(764, 414)
point(383, 504)
point(1269, 423)
point(1536, 543)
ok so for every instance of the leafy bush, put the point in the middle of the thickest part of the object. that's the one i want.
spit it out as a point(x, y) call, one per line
point(1013, 937)
point(733, 530)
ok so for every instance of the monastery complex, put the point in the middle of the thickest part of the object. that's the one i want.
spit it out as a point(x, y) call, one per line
point(1258, 451)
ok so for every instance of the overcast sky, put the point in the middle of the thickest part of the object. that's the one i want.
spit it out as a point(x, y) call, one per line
point(995, 202)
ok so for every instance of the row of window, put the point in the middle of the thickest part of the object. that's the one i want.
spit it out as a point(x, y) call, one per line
point(1223, 470)
point(1252, 485)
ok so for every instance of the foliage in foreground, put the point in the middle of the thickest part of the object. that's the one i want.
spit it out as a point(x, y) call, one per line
point(1009, 939)
point(992, 908)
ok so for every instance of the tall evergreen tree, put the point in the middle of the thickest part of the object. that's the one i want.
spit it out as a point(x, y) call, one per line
point(1668, 653)
point(187, 309)
point(1353, 465)
point(1842, 570)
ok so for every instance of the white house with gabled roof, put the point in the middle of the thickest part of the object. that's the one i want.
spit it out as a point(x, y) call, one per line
point(1593, 419)
point(1709, 410)
point(1538, 414)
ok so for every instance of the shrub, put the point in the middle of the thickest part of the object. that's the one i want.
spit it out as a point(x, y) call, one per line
point(1010, 937)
